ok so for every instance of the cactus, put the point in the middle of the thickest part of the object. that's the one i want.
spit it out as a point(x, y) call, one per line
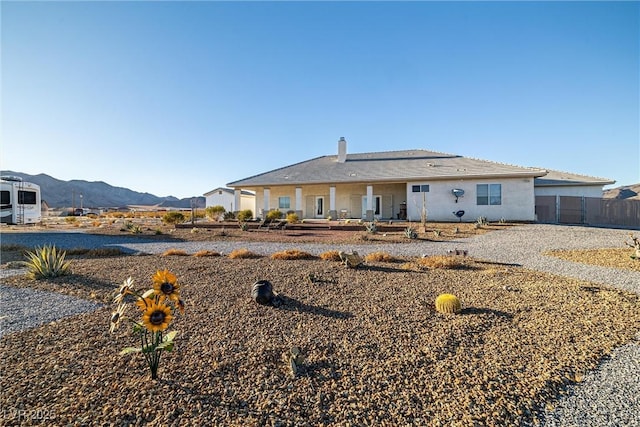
point(448, 303)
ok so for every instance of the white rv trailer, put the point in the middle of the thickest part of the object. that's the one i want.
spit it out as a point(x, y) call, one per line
point(20, 201)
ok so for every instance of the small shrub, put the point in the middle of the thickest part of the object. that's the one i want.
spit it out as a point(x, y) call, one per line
point(242, 254)
point(245, 215)
point(440, 261)
point(379, 257)
point(46, 262)
point(410, 233)
point(244, 226)
point(290, 254)
point(174, 252)
point(635, 244)
point(273, 215)
point(330, 256)
point(437, 233)
point(96, 253)
point(448, 304)
point(371, 227)
point(292, 218)
point(481, 221)
point(157, 232)
point(136, 229)
point(70, 219)
point(206, 253)
point(215, 213)
point(173, 217)
point(229, 216)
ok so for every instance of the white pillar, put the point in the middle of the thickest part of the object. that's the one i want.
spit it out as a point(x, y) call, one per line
point(236, 200)
point(369, 202)
point(266, 195)
point(332, 203)
point(298, 202)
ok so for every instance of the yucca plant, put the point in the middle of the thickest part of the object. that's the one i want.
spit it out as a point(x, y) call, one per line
point(46, 262)
point(410, 233)
point(371, 227)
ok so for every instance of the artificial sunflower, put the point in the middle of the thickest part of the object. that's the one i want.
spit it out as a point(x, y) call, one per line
point(157, 317)
point(165, 285)
point(144, 303)
point(116, 317)
point(125, 289)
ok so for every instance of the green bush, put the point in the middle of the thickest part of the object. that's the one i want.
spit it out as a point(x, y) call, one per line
point(229, 216)
point(245, 215)
point(173, 217)
point(292, 218)
point(273, 215)
point(46, 262)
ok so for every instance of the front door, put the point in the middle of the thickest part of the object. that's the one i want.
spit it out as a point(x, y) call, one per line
point(319, 207)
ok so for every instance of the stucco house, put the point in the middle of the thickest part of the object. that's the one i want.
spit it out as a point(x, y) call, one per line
point(405, 184)
point(226, 198)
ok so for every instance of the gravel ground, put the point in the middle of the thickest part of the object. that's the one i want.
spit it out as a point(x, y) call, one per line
point(606, 396)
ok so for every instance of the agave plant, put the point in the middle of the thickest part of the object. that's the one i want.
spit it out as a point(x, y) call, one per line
point(46, 262)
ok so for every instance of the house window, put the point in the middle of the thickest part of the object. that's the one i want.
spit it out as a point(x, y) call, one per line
point(489, 194)
point(420, 188)
point(284, 202)
point(27, 197)
point(5, 198)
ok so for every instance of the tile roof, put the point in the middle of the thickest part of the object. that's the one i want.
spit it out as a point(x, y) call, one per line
point(387, 166)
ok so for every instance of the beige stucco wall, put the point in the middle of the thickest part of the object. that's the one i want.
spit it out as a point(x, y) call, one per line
point(347, 197)
point(518, 201)
point(575, 191)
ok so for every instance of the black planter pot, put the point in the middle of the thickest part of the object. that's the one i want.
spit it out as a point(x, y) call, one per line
point(262, 292)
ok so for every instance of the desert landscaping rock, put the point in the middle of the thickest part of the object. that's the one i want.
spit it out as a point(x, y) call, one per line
point(376, 352)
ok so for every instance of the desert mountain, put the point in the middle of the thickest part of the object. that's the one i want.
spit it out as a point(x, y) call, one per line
point(97, 194)
point(629, 192)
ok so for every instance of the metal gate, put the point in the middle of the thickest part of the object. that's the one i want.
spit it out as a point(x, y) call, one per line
point(587, 210)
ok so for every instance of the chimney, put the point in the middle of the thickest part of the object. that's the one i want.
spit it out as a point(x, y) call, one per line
point(342, 150)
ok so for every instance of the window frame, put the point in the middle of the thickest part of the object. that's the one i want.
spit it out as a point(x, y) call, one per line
point(489, 194)
point(281, 204)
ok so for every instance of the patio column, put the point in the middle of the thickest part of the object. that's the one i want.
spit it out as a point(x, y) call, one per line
point(236, 201)
point(332, 203)
point(369, 215)
point(266, 194)
point(298, 202)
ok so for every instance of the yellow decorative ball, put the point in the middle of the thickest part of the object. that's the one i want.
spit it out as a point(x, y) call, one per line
point(448, 303)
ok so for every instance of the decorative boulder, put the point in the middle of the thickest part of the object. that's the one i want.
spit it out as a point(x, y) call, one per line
point(262, 292)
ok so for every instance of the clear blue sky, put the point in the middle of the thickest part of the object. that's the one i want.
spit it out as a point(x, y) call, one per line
point(176, 98)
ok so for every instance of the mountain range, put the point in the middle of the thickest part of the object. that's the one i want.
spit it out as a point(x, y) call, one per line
point(63, 194)
point(98, 194)
point(628, 192)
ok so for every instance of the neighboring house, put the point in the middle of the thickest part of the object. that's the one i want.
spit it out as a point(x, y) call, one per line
point(404, 185)
point(225, 197)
